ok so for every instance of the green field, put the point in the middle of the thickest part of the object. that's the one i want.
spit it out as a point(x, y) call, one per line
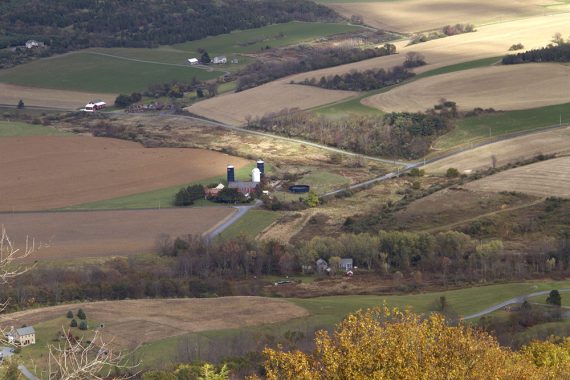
point(161, 198)
point(485, 62)
point(251, 224)
point(326, 311)
point(320, 181)
point(473, 129)
point(14, 128)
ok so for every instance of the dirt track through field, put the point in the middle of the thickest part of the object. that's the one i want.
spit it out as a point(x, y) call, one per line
point(51, 172)
point(33, 96)
point(509, 87)
point(507, 151)
point(134, 322)
point(546, 178)
point(489, 41)
point(420, 15)
point(106, 233)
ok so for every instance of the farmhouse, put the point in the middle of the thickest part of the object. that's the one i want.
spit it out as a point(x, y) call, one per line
point(220, 60)
point(193, 61)
point(345, 264)
point(23, 336)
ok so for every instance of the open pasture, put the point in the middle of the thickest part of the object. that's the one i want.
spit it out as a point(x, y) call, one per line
point(420, 15)
point(549, 178)
point(135, 322)
point(44, 172)
point(489, 41)
point(507, 151)
point(508, 87)
point(80, 234)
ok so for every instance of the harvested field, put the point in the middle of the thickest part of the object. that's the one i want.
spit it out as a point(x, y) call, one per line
point(66, 100)
point(106, 233)
point(489, 41)
point(134, 322)
point(52, 172)
point(500, 87)
point(507, 151)
point(547, 178)
point(420, 15)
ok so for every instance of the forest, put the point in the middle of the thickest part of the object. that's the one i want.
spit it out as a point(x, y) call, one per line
point(395, 135)
point(76, 24)
point(306, 58)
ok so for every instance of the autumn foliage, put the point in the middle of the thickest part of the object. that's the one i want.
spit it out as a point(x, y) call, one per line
point(385, 343)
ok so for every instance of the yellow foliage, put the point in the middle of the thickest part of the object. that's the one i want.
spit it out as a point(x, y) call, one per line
point(389, 344)
point(551, 356)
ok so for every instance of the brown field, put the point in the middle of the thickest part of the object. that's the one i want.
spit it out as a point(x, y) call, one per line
point(546, 178)
point(420, 15)
point(81, 234)
point(51, 172)
point(489, 41)
point(498, 87)
point(32, 96)
point(134, 322)
point(507, 151)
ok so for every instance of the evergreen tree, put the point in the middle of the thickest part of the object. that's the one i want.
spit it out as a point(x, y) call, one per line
point(83, 325)
point(205, 59)
point(70, 314)
point(20, 104)
point(81, 314)
point(554, 298)
point(73, 323)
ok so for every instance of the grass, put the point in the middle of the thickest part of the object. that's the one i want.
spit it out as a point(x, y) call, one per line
point(485, 62)
point(14, 128)
point(250, 225)
point(161, 198)
point(320, 181)
point(472, 129)
point(84, 71)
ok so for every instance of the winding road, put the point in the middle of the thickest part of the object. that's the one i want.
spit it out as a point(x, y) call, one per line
point(511, 301)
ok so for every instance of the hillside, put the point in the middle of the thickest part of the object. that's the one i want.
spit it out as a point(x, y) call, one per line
point(72, 24)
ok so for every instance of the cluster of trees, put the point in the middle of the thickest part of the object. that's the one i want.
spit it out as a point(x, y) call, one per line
point(123, 100)
point(75, 24)
point(176, 89)
point(188, 195)
point(448, 30)
point(362, 80)
point(407, 135)
point(384, 343)
point(552, 53)
point(307, 58)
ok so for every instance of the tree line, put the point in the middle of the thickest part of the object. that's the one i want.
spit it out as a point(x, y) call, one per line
point(551, 53)
point(407, 135)
point(306, 58)
point(76, 24)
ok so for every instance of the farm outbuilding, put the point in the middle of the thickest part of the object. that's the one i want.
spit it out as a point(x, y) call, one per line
point(220, 60)
point(193, 61)
point(299, 189)
point(247, 187)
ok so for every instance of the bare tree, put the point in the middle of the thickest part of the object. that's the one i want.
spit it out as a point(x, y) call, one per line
point(79, 359)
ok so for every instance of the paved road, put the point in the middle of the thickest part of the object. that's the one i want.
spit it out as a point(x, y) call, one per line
point(27, 373)
point(241, 211)
point(511, 301)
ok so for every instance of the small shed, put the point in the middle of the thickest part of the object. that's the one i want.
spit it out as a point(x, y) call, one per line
point(321, 265)
point(193, 61)
point(220, 60)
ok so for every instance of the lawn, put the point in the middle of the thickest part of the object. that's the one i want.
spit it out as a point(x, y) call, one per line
point(14, 128)
point(250, 225)
point(473, 129)
point(161, 198)
point(85, 71)
point(321, 182)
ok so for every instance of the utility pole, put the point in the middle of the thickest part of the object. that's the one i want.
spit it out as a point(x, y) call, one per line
point(560, 119)
point(489, 131)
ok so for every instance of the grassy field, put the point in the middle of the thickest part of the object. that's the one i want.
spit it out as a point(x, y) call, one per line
point(251, 224)
point(14, 128)
point(476, 128)
point(162, 198)
point(84, 71)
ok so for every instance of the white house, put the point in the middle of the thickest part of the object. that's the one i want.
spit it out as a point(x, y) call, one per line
point(193, 61)
point(220, 60)
point(30, 44)
point(23, 336)
point(345, 264)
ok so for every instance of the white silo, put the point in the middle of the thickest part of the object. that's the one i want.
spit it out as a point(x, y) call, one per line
point(256, 175)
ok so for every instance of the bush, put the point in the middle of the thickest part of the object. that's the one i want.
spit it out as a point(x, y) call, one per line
point(70, 314)
point(415, 172)
point(73, 323)
point(81, 314)
point(186, 196)
point(518, 46)
point(83, 325)
point(452, 173)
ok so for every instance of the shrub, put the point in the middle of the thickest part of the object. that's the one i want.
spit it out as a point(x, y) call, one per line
point(452, 173)
point(70, 314)
point(518, 46)
point(73, 323)
point(81, 314)
point(83, 325)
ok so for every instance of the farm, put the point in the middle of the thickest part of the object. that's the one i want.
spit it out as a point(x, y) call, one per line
point(81, 234)
point(497, 87)
point(60, 171)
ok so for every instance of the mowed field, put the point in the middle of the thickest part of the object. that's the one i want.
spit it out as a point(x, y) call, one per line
point(489, 41)
point(509, 87)
point(46, 172)
point(420, 15)
point(79, 234)
point(546, 178)
point(507, 151)
point(134, 322)
point(42, 97)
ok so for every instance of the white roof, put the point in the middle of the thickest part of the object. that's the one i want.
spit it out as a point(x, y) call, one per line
point(193, 60)
point(100, 103)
